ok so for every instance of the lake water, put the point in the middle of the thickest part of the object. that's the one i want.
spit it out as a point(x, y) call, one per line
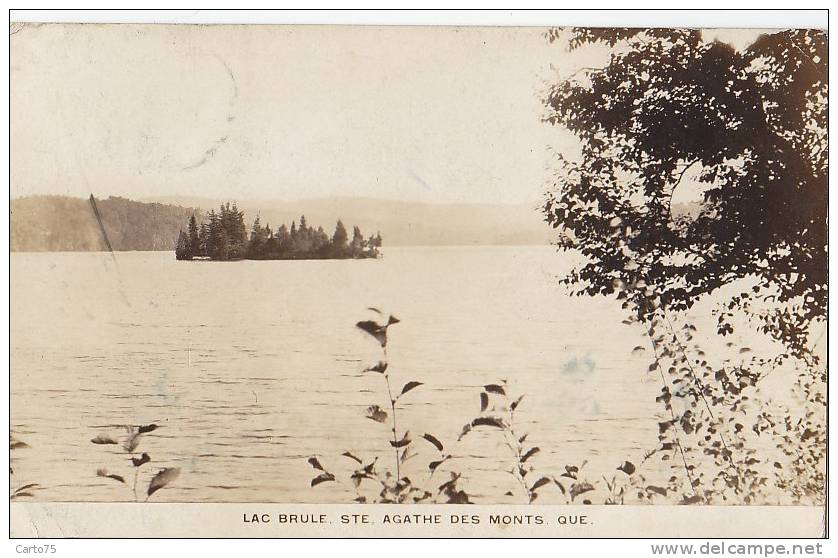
point(253, 367)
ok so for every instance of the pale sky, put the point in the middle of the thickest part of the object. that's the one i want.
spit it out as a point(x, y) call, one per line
point(266, 112)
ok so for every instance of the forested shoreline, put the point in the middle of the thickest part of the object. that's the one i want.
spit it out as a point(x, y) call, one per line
point(67, 224)
point(223, 236)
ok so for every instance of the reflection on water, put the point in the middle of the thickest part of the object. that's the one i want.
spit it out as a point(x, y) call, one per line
point(252, 367)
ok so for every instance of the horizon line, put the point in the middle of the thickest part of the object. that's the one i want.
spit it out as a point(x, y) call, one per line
point(156, 199)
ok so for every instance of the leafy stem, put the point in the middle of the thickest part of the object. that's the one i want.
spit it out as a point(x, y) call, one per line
point(668, 405)
point(393, 416)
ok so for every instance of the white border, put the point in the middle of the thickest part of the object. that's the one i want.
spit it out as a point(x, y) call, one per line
point(623, 18)
point(764, 18)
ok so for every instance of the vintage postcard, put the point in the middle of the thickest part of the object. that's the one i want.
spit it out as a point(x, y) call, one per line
point(391, 281)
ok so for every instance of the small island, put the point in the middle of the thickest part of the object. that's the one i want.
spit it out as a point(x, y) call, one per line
point(222, 236)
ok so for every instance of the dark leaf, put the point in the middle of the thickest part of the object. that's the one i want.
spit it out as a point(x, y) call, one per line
point(162, 479)
point(401, 443)
point(107, 475)
point(530, 453)
point(376, 413)
point(323, 477)
point(627, 467)
point(350, 456)
point(314, 462)
point(433, 440)
point(656, 490)
point(148, 428)
point(433, 465)
point(488, 421)
point(494, 388)
point(378, 331)
point(484, 401)
point(21, 495)
point(458, 497)
point(409, 386)
point(381, 367)
point(369, 326)
point(142, 460)
point(514, 404)
point(103, 439)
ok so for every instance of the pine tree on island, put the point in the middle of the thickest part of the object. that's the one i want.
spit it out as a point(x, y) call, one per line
point(222, 236)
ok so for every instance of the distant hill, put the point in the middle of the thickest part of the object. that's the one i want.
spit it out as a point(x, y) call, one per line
point(400, 223)
point(61, 223)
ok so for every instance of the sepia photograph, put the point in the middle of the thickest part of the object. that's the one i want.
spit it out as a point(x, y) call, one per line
point(536, 273)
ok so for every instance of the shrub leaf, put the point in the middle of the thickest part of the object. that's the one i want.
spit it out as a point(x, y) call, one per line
point(627, 467)
point(350, 456)
point(488, 421)
point(321, 478)
point(163, 478)
point(433, 440)
point(103, 439)
point(530, 453)
point(409, 386)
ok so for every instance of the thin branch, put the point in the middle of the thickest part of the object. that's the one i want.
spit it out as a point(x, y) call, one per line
point(700, 386)
point(393, 409)
point(671, 412)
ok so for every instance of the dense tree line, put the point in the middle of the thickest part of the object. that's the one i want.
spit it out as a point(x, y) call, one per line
point(63, 223)
point(223, 236)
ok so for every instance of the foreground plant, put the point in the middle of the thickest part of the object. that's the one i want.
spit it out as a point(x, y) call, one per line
point(130, 444)
point(27, 490)
point(713, 414)
point(497, 412)
point(391, 485)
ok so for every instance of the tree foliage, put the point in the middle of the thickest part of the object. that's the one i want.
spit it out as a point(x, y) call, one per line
point(746, 129)
point(223, 236)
